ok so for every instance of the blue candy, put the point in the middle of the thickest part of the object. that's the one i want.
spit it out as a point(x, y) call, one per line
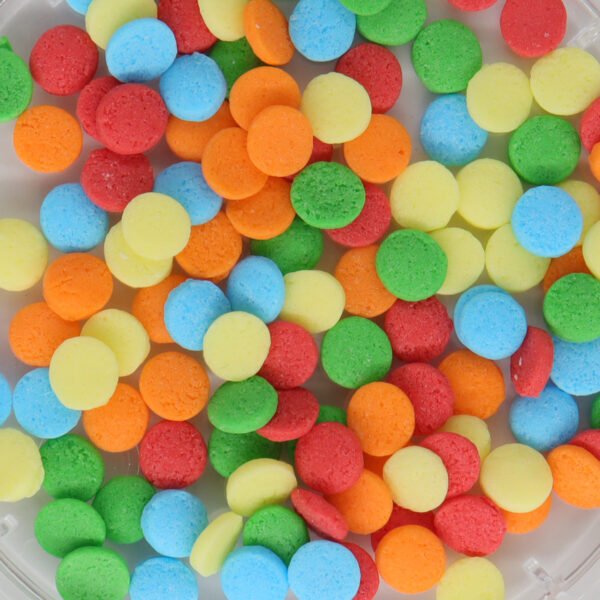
point(547, 221)
point(185, 182)
point(254, 573)
point(5, 399)
point(545, 422)
point(80, 6)
point(37, 409)
point(172, 522)
point(576, 368)
point(471, 293)
point(322, 30)
point(163, 578)
point(256, 286)
point(191, 309)
point(70, 221)
point(449, 134)
point(141, 50)
point(322, 570)
point(193, 88)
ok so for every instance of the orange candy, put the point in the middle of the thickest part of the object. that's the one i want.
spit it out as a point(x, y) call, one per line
point(375, 463)
point(266, 30)
point(571, 262)
point(594, 160)
point(520, 523)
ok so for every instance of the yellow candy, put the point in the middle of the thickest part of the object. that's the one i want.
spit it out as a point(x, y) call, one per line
point(130, 268)
point(84, 373)
point(215, 544)
point(236, 346)
point(588, 200)
point(338, 108)
point(224, 18)
point(566, 81)
point(591, 249)
point(474, 429)
point(425, 196)
point(21, 469)
point(417, 478)
point(499, 97)
point(489, 190)
point(516, 477)
point(471, 579)
point(466, 259)
point(23, 255)
point(123, 334)
point(509, 265)
point(104, 17)
point(313, 299)
point(258, 483)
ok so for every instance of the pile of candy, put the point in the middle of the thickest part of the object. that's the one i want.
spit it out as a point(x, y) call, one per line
point(222, 249)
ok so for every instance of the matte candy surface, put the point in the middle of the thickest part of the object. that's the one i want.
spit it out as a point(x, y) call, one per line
point(483, 578)
point(21, 469)
point(396, 24)
point(591, 247)
point(319, 514)
point(266, 28)
point(576, 368)
point(587, 199)
point(474, 429)
point(531, 364)
point(185, 20)
point(5, 399)
point(225, 20)
point(159, 577)
point(297, 413)
point(16, 83)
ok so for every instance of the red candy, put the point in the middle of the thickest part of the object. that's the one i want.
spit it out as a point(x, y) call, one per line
point(399, 517)
point(470, 5)
point(589, 440)
point(319, 514)
point(64, 60)
point(89, 100)
point(471, 525)
point(297, 412)
point(369, 575)
point(418, 331)
point(329, 458)
point(430, 393)
point(377, 70)
point(186, 22)
point(112, 180)
point(589, 128)
point(531, 364)
point(460, 457)
point(173, 455)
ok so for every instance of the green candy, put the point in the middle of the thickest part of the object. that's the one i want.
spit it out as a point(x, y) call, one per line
point(121, 503)
point(234, 59)
point(396, 24)
point(65, 525)
point(16, 83)
point(332, 414)
point(365, 7)
point(595, 413)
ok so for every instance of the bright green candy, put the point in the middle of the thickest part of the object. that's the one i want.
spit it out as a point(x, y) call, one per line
point(243, 406)
point(121, 503)
point(74, 468)
point(16, 84)
point(445, 55)
point(327, 195)
point(93, 574)
point(595, 414)
point(65, 525)
point(544, 150)
point(332, 414)
point(234, 59)
point(398, 23)
point(298, 248)
point(355, 352)
point(228, 451)
point(411, 265)
point(277, 528)
point(365, 7)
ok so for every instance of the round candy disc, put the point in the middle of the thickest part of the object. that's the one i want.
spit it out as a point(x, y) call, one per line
point(158, 577)
point(394, 25)
point(16, 83)
point(576, 368)
point(483, 577)
point(21, 469)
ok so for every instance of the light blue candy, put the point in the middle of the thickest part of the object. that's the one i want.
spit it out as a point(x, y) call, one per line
point(471, 293)
point(324, 570)
point(141, 50)
point(80, 6)
point(576, 368)
point(449, 134)
point(191, 309)
point(185, 182)
point(70, 221)
point(547, 221)
point(172, 522)
point(256, 286)
point(162, 579)
point(545, 422)
point(322, 30)
point(194, 87)
point(254, 573)
point(5, 399)
point(37, 409)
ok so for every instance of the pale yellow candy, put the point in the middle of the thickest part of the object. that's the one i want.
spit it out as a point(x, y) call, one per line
point(588, 200)
point(499, 97)
point(417, 478)
point(215, 544)
point(471, 579)
point(123, 334)
point(258, 483)
point(489, 190)
point(509, 265)
point(313, 299)
point(474, 429)
point(236, 346)
point(104, 17)
point(224, 18)
point(424, 196)
point(23, 255)
point(338, 107)
point(516, 477)
point(21, 469)
point(130, 268)
point(466, 259)
point(84, 373)
point(591, 249)
point(566, 81)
